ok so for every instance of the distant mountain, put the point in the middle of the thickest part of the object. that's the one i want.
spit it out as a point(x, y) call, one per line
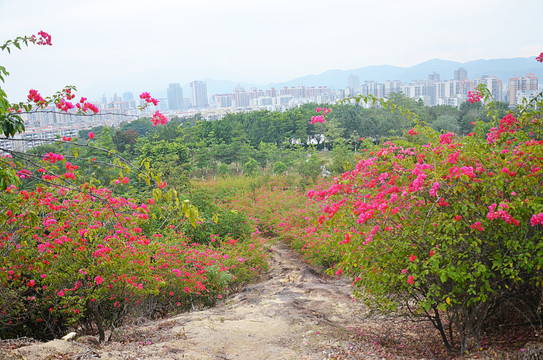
point(157, 81)
point(501, 68)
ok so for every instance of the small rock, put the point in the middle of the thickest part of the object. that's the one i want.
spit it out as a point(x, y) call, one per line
point(70, 336)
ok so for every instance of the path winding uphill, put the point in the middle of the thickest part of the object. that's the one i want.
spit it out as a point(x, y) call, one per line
point(291, 313)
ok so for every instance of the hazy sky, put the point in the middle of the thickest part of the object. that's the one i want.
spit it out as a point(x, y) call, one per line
point(104, 42)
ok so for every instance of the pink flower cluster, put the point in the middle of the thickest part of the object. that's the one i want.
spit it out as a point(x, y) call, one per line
point(317, 119)
point(540, 58)
point(477, 226)
point(413, 132)
point(85, 106)
point(508, 124)
point(34, 96)
point(435, 188)
point(147, 97)
point(474, 96)
point(537, 218)
point(53, 158)
point(446, 138)
point(320, 118)
point(325, 110)
point(44, 39)
point(64, 105)
point(159, 118)
point(67, 92)
point(501, 213)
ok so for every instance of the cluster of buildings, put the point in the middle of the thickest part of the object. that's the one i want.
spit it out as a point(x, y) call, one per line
point(271, 99)
point(48, 124)
point(434, 91)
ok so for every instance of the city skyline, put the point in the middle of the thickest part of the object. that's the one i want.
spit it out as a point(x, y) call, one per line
point(101, 44)
point(43, 126)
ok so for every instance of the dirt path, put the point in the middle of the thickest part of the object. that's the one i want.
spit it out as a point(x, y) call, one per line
point(291, 313)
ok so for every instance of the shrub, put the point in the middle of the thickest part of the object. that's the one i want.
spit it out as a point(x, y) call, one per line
point(451, 229)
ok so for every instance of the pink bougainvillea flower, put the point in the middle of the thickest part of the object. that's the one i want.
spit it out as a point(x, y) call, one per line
point(91, 135)
point(147, 97)
point(317, 119)
point(410, 279)
point(477, 226)
point(98, 280)
point(412, 258)
point(44, 39)
point(540, 58)
point(474, 96)
point(446, 138)
point(536, 219)
point(435, 188)
point(159, 118)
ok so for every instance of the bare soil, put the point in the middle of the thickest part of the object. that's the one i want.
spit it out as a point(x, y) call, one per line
point(292, 312)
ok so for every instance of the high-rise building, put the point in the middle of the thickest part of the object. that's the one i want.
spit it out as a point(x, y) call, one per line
point(373, 88)
point(520, 84)
point(461, 74)
point(199, 93)
point(241, 98)
point(353, 84)
point(393, 86)
point(493, 84)
point(175, 97)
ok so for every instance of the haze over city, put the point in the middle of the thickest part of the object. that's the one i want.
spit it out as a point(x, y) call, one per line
point(116, 46)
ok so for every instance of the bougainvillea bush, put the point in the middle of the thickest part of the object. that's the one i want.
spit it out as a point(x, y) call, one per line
point(73, 255)
point(74, 258)
point(450, 230)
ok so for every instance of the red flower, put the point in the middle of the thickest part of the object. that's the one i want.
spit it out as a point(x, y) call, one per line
point(91, 135)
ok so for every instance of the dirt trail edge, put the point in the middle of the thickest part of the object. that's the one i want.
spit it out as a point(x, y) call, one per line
point(291, 313)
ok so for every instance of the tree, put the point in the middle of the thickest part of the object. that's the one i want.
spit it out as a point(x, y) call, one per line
point(445, 123)
point(310, 165)
point(280, 168)
point(343, 158)
point(250, 167)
